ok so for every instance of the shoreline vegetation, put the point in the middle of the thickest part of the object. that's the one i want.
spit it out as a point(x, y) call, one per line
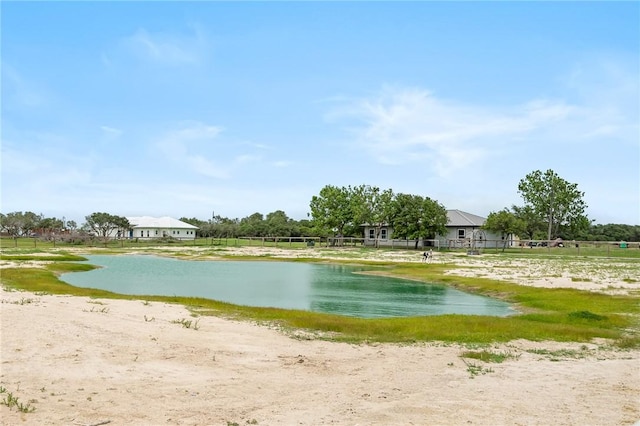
point(558, 314)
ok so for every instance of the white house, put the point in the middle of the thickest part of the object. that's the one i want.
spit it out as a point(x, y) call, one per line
point(463, 231)
point(147, 227)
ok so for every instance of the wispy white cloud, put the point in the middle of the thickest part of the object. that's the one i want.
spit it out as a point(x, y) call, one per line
point(167, 48)
point(177, 146)
point(402, 125)
point(281, 163)
point(111, 132)
point(406, 125)
point(18, 91)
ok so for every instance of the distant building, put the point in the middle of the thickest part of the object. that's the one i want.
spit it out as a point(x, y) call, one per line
point(463, 231)
point(147, 227)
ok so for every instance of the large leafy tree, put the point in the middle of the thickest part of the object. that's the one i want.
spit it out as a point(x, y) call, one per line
point(103, 224)
point(278, 224)
point(253, 226)
point(331, 210)
point(416, 217)
point(552, 198)
point(372, 206)
point(19, 224)
point(533, 227)
point(505, 223)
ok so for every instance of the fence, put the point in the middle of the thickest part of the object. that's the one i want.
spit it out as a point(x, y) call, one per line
point(603, 248)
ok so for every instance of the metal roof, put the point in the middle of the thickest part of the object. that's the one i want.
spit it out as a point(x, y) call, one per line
point(158, 222)
point(460, 218)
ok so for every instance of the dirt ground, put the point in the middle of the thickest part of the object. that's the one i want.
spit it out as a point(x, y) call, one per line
point(81, 361)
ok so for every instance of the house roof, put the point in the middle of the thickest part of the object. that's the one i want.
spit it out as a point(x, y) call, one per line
point(158, 222)
point(460, 218)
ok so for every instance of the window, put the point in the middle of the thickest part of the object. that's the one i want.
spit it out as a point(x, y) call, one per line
point(147, 232)
point(383, 234)
point(372, 234)
point(461, 233)
point(156, 232)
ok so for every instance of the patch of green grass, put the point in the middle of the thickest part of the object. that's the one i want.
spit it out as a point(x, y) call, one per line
point(488, 356)
point(62, 257)
point(628, 342)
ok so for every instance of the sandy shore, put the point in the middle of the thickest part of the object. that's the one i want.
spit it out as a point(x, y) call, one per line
point(82, 361)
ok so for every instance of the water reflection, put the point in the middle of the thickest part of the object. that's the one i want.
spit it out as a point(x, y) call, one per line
point(336, 289)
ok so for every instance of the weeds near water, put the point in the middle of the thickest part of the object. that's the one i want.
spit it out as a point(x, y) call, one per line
point(11, 401)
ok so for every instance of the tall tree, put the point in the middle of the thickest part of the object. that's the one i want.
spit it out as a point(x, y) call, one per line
point(559, 202)
point(331, 210)
point(103, 224)
point(533, 227)
point(416, 217)
point(504, 222)
point(372, 206)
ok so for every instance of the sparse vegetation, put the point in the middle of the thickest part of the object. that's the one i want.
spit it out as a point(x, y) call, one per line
point(475, 369)
point(11, 401)
point(187, 323)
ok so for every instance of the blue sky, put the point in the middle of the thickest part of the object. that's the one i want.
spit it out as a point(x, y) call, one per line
point(189, 108)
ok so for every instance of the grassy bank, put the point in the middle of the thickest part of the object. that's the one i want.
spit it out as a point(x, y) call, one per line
point(546, 314)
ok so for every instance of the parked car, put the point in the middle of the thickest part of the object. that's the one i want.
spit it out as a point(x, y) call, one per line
point(557, 243)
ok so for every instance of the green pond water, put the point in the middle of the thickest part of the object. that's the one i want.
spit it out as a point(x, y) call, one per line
point(334, 289)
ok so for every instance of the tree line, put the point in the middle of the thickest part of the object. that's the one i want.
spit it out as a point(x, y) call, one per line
point(552, 208)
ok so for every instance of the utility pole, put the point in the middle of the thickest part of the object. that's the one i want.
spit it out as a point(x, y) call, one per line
point(550, 212)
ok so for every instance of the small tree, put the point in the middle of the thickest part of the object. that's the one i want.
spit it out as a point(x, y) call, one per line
point(504, 222)
point(103, 224)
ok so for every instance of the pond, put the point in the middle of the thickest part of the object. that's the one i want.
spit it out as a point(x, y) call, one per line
point(335, 289)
